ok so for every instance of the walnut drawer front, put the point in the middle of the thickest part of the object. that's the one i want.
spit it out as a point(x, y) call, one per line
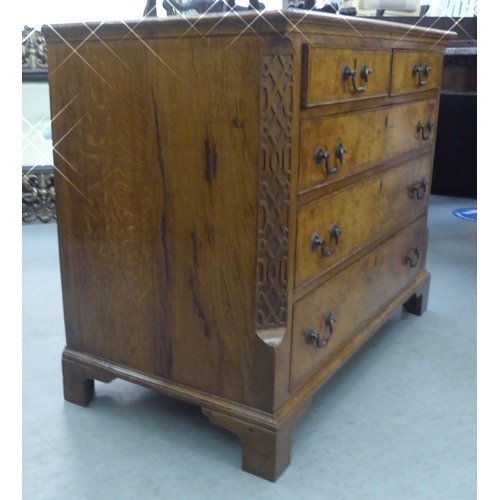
point(349, 219)
point(332, 75)
point(325, 319)
point(414, 71)
point(358, 141)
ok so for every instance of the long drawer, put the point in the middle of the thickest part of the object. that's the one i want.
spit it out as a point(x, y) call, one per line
point(333, 75)
point(331, 229)
point(328, 317)
point(413, 71)
point(357, 141)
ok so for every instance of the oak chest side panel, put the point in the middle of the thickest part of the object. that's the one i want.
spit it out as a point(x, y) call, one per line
point(160, 254)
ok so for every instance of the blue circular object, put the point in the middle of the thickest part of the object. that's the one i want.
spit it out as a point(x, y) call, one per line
point(469, 213)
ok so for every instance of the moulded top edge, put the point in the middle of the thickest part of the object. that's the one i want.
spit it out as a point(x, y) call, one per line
point(280, 22)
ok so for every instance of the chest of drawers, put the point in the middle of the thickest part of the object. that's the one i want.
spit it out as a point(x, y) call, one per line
point(241, 204)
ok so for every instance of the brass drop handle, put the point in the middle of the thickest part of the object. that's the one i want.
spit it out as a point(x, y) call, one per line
point(314, 337)
point(423, 71)
point(413, 256)
point(351, 73)
point(420, 188)
point(317, 242)
point(422, 128)
point(320, 156)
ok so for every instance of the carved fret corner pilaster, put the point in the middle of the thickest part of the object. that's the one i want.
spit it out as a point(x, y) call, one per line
point(275, 163)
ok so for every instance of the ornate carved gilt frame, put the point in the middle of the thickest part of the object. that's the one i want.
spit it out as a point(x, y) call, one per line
point(38, 190)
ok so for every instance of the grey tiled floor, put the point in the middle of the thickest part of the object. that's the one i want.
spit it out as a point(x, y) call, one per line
point(398, 422)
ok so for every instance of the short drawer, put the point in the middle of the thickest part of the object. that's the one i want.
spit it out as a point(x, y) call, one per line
point(328, 317)
point(414, 71)
point(332, 228)
point(331, 75)
point(335, 147)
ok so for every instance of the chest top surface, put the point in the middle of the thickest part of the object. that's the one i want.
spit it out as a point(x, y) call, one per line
point(257, 23)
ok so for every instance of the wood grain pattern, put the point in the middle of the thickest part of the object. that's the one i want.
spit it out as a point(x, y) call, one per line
point(211, 315)
point(317, 379)
point(363, 212)
point(266, 453)
point(275, 170)
point(404, 79)
point(144, 195)
point(186, 198)
point(325, 83)
point(349, 38)
point(341, 108)
point(78, 383)
point(370, 138)
point(281, 23)
point(353, 297)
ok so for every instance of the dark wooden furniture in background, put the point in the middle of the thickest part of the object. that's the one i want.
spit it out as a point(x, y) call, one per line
point(245, 208)
point(455, 161)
